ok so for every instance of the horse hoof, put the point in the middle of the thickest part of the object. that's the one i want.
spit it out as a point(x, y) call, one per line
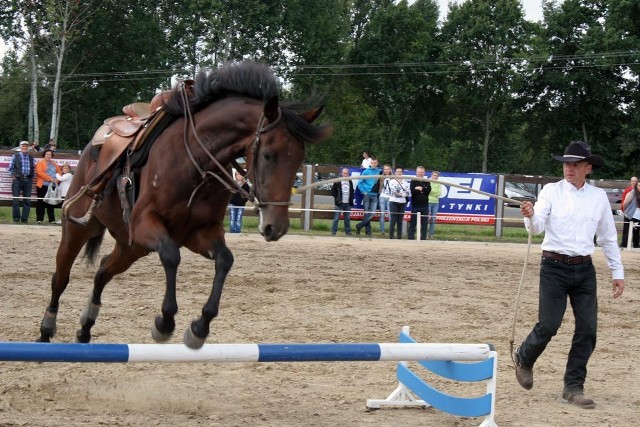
point(82, 338)
point(191, 340)
point(159, 336)
point(42, 338)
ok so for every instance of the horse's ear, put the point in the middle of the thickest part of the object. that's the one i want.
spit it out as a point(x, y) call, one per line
point(311, 115)
point(271, 109)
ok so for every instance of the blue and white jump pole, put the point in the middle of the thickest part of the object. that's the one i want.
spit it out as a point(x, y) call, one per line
point(179, 353)
point(461, 362)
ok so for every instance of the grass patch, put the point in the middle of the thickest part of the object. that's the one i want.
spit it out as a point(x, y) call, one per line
point(322, 227)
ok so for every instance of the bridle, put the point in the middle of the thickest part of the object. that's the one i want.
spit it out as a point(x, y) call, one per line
point(255, 146)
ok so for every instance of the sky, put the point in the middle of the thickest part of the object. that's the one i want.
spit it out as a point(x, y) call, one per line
point(532, 8)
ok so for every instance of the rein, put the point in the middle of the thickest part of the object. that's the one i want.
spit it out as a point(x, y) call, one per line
point(235, 188)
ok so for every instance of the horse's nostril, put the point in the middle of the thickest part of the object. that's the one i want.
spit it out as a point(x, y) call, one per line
point(268, 232)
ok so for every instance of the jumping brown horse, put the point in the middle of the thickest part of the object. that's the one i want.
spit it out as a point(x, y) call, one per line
point(184, 188)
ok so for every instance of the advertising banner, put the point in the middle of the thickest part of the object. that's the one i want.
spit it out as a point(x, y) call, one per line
point(457, 206)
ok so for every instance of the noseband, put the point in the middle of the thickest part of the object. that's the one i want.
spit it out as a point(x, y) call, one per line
point(236, 188)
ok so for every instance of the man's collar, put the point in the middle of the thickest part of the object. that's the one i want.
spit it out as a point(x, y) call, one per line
point(570, 187)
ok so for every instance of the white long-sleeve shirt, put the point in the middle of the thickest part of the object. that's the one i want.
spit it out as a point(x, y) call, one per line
point(65, 182)
point(399, 190)
point(570, 217)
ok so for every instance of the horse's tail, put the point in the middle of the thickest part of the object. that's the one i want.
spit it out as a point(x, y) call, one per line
point(92, 246)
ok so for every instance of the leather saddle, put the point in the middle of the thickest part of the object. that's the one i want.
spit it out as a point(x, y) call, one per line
point(128, 132)
point(139, 126)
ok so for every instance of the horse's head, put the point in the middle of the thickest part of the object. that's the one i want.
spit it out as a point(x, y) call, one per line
point(274, 158)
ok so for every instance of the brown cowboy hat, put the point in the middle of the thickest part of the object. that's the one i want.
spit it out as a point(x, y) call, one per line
point(579, 151)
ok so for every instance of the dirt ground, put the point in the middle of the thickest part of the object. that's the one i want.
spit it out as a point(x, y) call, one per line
point(306, 289)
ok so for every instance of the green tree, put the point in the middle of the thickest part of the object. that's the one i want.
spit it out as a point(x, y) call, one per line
point(115, 65)
point(485, 45)
point(394, 56)
point(579, 88)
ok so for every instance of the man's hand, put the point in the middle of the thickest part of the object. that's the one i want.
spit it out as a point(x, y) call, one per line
point(618, 287)
point(526, 209)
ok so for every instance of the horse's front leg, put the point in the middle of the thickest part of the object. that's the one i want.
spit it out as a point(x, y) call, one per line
point(165, 324)
point(195, 336)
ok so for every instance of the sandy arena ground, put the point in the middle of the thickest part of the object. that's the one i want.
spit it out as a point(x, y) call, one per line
point(306, 289)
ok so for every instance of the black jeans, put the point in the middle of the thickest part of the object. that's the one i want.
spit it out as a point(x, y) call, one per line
point(41, 206)
point(396, 214)
point(558, 281)
point(625, 231)
point(635, 234)
point(21, 187)
point(424, 222)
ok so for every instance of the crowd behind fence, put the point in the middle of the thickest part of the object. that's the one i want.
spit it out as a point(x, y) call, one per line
point(309, 205)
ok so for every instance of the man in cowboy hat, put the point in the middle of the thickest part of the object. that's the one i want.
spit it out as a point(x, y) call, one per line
point(570, 212)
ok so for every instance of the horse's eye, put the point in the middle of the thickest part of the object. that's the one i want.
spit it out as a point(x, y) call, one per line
point(266, 155)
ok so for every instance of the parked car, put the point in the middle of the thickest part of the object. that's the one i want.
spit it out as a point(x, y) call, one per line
point(515, 192)
point(614, 195)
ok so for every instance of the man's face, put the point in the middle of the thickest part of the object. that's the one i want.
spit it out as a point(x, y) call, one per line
point(420, 172)
point(374, 163)
point(24, 148)
point(576, 172)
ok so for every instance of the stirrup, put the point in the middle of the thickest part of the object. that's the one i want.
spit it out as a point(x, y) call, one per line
point(84, 219)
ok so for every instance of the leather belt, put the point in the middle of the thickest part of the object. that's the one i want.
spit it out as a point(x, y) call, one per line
point(572, 260)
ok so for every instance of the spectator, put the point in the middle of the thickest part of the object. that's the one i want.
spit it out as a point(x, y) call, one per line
point(434, 203)
point(419, 205)
point(35, 147)
point(400, 190)
point(627, 219)
point(631, 208)
point(64, 179)
point(366, 160)
point(369, 190)
point(342, 193)
point(64, 182)
point(22, 170)
point(46, 171)
point(51, 145)
point(570, 212)
point(237, 204)
point(384, 194)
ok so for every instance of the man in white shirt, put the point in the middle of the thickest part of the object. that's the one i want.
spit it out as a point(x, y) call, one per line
point(570, 212)
point(366, 160)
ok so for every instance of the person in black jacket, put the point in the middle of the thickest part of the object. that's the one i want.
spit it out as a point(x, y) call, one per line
point(236, 206)
point(342, 193)
point(22, 169)
point(419, 204)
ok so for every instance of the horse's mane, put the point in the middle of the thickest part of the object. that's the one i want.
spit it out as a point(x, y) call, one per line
point(249, 79)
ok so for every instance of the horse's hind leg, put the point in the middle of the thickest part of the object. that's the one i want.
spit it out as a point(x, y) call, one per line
point(119, 261)
point(195, 336)
point(73, 239)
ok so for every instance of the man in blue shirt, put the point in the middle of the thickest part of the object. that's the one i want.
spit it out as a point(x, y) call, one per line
point(369, 190)
point(22, 170)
